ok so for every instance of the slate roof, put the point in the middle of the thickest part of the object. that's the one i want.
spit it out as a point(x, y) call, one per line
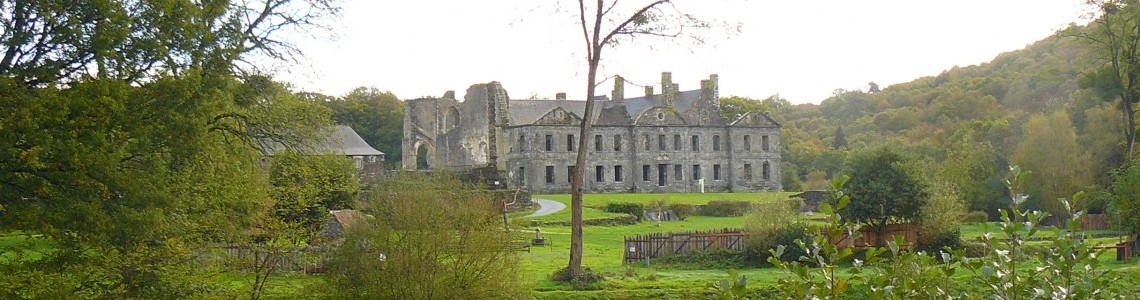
point(340, 139)
point(347, 142)
point(523, 112)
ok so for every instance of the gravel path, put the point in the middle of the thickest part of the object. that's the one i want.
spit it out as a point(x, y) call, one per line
point(546, 207)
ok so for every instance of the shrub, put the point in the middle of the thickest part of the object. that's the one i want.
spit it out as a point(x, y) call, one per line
point(611, 221)
point(588, 280)
point(724, 208)
point(711, 259)
point(635, 209)
point(975, 217)
point(769, 225)
point(682, 210)
point(933, 242)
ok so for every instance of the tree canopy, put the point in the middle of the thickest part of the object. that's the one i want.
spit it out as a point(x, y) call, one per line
point(131, 137)
point(885, 186)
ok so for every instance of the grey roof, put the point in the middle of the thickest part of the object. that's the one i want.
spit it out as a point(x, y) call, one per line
point(339, 139)
point(523, 112)
point(345, 141)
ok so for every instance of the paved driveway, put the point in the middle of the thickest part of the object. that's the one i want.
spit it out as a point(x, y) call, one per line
point(546, 207)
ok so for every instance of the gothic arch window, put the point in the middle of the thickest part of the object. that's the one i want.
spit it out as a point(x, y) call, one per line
point(451, 120)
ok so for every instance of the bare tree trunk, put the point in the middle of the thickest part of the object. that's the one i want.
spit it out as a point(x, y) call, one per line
point(577, 183)
point(595, 41)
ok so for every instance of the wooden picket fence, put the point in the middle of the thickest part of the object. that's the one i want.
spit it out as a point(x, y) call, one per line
point(656, 245)
point(1088, 222)
point(870, 238)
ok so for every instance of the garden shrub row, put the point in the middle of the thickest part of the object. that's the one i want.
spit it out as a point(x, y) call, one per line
point(724, 208)
point(611, 221)
point(975, 217)
point(635, 209)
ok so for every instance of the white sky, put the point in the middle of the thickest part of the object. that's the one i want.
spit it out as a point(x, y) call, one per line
point(802, 50)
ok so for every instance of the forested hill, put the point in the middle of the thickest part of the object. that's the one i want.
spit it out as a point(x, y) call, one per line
point(1027, 107)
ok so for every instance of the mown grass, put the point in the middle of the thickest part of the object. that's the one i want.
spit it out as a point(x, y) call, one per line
point(593, 204)
point(603, 249)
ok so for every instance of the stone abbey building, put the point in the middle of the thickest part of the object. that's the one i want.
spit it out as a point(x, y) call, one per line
point(672, 141)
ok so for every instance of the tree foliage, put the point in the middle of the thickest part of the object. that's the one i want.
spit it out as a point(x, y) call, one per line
point(427, 237)
point(129, 141)
point(1116, 40)
point(377, 116)
point(1060, 167)
point(885, 186)
point(306, 187)
point(1125, 205)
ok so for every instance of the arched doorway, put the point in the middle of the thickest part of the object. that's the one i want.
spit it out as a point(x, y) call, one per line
point(422, 157)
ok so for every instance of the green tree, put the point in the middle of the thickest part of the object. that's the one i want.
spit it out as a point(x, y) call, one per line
point(129, 142)
point(1060, 167)
point(427, 237)
point(1125, 205)
point(306, 187)
point(885, 186)
point(840, 140)
point(733, 107)
point(1117, 42)
point(378, 117)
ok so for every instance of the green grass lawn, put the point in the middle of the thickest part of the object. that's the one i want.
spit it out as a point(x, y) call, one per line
point(593, 203)
point(603, 246)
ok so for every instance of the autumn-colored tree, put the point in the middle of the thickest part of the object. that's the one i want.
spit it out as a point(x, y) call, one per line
point(1060, 167)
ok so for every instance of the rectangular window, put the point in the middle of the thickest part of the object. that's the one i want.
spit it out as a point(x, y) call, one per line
point(598, 142)
point(764, 143)
point(716, 172)
point(767, 171)
point(522, 175)
point(747, 173)
point(569, 173)
point(661, 142)
point(599, 174)
point(617, 142)
point(549, 174)
point(661, 174)
point(677, 173)
point(646, 142)
point(747, 143)
point(676, 142)
point(569, 142)
point(549, 143)
point(696, 172)
point(645, 172)
point(522, 143)
point(716, 143)
point(617, 174)
point(696, 143)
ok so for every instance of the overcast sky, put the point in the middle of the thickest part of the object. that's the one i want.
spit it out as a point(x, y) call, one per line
point(801, 50)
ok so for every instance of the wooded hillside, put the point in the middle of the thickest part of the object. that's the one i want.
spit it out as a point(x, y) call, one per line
point(1034, 107)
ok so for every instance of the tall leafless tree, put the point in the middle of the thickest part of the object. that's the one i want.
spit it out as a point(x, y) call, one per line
point(603, 26)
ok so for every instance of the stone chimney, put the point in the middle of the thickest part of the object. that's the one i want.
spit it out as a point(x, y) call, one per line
point(649, 91)
point(618, 93)
point(449, 95)
point(560, 96)
point(714, 87)
point(668, 90)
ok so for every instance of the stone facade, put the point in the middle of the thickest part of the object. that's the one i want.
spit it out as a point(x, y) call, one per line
point(667, 142)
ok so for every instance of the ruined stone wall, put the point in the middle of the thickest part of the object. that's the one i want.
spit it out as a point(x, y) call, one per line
point(459, 135)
